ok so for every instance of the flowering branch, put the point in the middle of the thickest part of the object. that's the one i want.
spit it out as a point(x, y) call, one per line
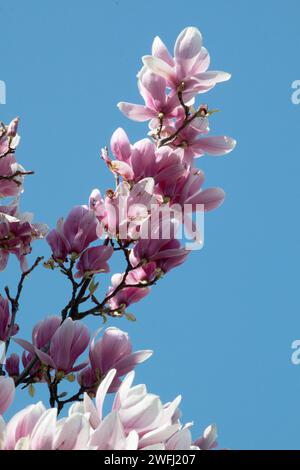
point(15, 175)
point(158, 189)
point(14, 301)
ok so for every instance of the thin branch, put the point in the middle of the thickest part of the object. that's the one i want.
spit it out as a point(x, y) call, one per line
point(180, 98)
point(100, 305)
point(75, 397)
point(17, 173)
point(14, 301)
point(168, 140)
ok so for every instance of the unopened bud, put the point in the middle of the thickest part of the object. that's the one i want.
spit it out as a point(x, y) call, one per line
point(13, 127)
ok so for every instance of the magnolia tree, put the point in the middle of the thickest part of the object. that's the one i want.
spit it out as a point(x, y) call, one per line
point(158, 195)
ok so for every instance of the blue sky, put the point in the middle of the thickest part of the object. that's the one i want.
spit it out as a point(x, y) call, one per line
point(222, 324)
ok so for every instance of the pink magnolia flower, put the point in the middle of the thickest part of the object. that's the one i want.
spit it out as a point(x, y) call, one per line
point(57, 243)
point(96, 204)
point(75, 233)
point(42, 334)
point(112, 351)
point(188, 192)
point(9, 139)
point(136, 279)
point(188, 66)
point(68, 342)
point(165, 254)
point(94, 260)
point(11, 176)
point(44, 330)
point(22, 424)
point(157, 102)
point(194, 141)
point(7, 393)
point(65, 342)
point(143, 160)
point(5, 319)
point(123, 210)
point(17, 232)
point(165, 165)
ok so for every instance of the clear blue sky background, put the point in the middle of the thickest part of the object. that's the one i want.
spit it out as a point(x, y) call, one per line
point(222, 325)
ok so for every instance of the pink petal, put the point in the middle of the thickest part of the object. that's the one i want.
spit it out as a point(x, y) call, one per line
point(122, 169)
point(212, 77)
point(128, 363)
point(211, 198)
point(188, 44)
point(44, 358)
point(7, 393)
point(181, 440)
point(43, 433)
point(137, 112)
point(102, 391)
point(120, 144)
point(155, 87)
point(219, 145)
point(160, 50)
point(160, 67)
point(25, 345)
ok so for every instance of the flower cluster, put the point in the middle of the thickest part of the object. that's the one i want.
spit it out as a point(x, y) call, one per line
point(158, 188)
point(65, 342)
point(138, 420)
point(158, 192)
point(16, 230)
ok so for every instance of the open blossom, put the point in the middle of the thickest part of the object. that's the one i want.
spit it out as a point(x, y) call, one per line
point(137, 289)
point(112, 351)
point(165, 254)
point(188, 66)
point(75, 233)
point(17, 232)
point(66, 342)
point(124, 210)
point(152, 87)
point(7, 393)
point(143, 160)
point(196, 142)
point(94, 260)
point(188, 193)
point(42, 334)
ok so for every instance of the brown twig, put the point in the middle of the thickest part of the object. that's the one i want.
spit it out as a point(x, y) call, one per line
point(14, 301)
point(17, 173)
point(172, 137)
